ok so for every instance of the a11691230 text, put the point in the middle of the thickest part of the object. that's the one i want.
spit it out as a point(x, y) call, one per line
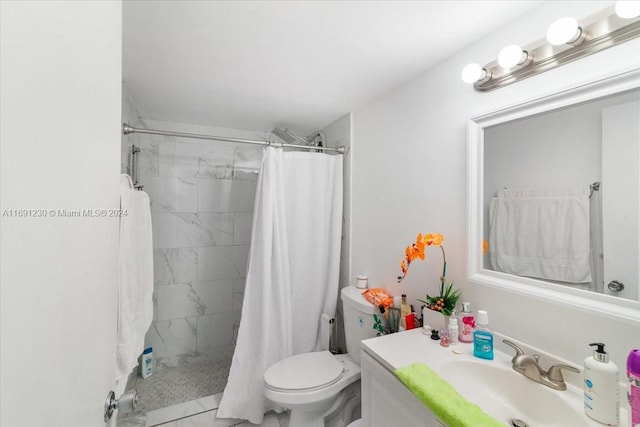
point(64, 213)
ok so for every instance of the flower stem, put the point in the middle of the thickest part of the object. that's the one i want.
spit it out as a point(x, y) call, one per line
point(444, 271)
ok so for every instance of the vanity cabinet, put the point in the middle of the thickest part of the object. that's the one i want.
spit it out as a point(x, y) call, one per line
point(387, 402)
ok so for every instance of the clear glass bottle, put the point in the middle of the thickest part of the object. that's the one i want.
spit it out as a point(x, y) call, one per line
point(404, 310)
point(467, 323)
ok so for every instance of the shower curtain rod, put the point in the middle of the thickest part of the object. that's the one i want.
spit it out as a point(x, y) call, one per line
point(126, 129)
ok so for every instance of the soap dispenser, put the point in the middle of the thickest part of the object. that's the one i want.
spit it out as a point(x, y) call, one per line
point(601, 387)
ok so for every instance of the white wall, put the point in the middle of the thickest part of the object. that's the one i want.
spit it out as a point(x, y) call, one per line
point(562, 149)
point(557, 149)
point(409, 176)
point(620, 209)
point(60, 114)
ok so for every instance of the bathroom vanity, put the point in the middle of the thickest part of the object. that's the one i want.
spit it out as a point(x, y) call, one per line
point(386, 401)
point(492, 384)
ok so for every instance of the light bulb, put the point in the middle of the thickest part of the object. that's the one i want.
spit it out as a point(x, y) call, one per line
point(628, 9)
point(564, 31)
point(472, 73)
point(511, 56)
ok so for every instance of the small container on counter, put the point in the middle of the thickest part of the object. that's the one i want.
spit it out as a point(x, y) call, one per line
point(410, 321)
point(362, 281)
point(483, 337)
point(633, 373)
point(601, 391)
point(405, 310)
point(467, 323)
point(453, 328)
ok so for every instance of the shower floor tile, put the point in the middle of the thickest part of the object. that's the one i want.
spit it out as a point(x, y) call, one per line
point(173, 395)
point(182, 379)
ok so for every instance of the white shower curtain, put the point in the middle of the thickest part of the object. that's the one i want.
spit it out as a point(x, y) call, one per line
point(292, 278)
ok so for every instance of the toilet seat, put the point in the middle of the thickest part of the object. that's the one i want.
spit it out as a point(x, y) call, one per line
point(304, 372)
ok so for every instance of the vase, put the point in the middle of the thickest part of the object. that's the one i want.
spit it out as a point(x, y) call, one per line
point(445, 323)
point(435, 319)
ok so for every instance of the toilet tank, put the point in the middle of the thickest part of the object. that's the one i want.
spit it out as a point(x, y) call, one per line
point(358, 320)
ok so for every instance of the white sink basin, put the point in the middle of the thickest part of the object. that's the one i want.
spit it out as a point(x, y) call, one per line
point(506, 394)
point(491, 384)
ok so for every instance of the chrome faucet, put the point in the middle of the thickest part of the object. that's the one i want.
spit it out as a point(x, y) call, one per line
point(530, 368)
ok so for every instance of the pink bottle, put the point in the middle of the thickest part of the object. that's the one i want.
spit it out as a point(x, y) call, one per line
point(633, 373)
point(467, 324)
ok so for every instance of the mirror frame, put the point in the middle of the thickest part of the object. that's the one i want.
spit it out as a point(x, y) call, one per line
point(622, 309)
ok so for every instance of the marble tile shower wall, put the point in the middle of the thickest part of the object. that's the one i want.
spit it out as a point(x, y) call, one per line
point(202, 196)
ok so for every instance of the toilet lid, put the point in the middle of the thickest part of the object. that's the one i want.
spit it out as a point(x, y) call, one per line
point(304, 371)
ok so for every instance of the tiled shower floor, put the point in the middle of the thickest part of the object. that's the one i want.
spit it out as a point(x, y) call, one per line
point(188, 378)
point(181, 379)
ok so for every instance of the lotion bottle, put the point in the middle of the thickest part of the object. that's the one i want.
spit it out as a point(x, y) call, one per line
point(483, 337)
point(453, 328)
point(601, 387)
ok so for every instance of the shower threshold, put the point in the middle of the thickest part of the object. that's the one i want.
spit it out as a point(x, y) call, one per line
point(182, 410)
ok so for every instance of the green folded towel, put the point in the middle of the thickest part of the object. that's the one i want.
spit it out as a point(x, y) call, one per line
point(442, 399)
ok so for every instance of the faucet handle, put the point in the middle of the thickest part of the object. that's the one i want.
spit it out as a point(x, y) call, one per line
point(555, 372)
point(519, 351)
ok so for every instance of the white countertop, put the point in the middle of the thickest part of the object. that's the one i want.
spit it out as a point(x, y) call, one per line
point(404, 348)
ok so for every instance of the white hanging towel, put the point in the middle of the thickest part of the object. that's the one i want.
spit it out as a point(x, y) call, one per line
point(293, 272)
point(135, 291)
point(541, 233)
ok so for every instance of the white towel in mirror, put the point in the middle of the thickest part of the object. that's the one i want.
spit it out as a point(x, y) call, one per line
point(541, 233)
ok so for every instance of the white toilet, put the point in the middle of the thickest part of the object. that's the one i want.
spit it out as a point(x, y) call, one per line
point(322, 389)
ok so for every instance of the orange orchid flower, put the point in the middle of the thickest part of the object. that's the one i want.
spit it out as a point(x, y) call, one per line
point(447, 298)
point(417, 250)
point(403, 266)
point(435, 239)
point(420, 246)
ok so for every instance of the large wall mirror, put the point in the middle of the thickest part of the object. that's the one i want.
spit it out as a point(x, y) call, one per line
point(554, 197)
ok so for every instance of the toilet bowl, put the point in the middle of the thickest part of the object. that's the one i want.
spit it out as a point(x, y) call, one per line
point(310, 385)
point(322, 389)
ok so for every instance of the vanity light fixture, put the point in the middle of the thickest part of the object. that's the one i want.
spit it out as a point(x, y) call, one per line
point(513, 55)
point(565, 31)
point(628, 9)
point(474, 73)
point(566, 40)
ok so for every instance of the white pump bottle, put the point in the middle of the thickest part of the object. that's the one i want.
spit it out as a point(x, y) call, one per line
point(601, 387)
